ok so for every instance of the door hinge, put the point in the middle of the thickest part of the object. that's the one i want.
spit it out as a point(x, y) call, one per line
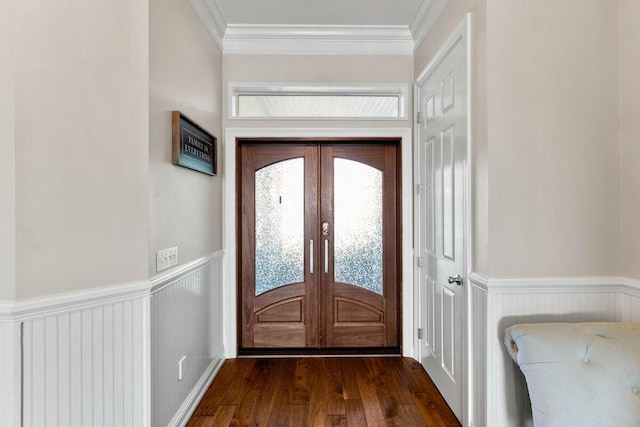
point(419, 261)
point(420, 333)
point(418, 189)
point(419, 117)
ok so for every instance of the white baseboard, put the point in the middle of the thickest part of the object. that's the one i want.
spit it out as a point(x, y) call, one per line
point(190, 404)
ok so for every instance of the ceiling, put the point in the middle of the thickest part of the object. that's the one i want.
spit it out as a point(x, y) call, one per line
point(313, 12)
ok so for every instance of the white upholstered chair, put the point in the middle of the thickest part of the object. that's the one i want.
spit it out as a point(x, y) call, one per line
point(580, 374)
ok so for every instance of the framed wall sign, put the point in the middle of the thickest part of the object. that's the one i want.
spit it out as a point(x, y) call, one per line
point(193, 147)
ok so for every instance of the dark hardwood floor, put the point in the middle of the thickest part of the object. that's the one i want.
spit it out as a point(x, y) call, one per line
point(370, 391)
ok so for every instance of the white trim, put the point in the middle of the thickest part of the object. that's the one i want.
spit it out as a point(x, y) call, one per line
point(424, 19)
point(478, 280)
point(460, 33)
point(317, 40)
point(182, 416)
point(212, 18)
point(165, 279)
point(41, 307)
point(229, 238)
point(399, 90)
point(555, 284)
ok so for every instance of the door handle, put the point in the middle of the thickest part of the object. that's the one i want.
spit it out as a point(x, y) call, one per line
point(326, 255)
point(311, 256)
point(457, 279)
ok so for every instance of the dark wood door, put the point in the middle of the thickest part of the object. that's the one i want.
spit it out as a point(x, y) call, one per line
point(318, 245)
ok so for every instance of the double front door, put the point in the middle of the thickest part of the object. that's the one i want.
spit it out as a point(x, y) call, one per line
point(318, 244)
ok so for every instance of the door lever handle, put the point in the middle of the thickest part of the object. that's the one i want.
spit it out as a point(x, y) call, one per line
point(457, 279)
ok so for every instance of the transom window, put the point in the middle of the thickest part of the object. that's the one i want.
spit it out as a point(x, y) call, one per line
point(348, 102)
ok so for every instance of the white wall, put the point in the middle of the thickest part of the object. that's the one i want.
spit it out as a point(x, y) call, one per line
point(7, 154)
point(449, 19)
point(316, 69)
point(185, 72)
point(554, 175)
point(630, 134)
point(81, 133)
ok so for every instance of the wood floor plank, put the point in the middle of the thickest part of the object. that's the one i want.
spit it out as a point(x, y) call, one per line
point(213, 396)
point(433, 412)
point(388, 402)
point(281, 411)
point(206, 421)
point(333, 386)
point(403, 395)
point(411, 416)
point(355, 413)
point(412, 380)
point(350, 387)
point(300, 392)
point(317, 398)
point(337, 421)
point(369, 397)
point(299, 416)
point(252, 388)
point(264, 403)
point(224, 415)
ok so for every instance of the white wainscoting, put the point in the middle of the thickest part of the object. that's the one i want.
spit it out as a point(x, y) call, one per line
point(499, 387)
point(10, 374)
point(477, 353)
point(186, 320)
point(85, 357)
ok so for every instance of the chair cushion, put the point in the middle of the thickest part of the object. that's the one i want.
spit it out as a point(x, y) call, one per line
point(580, 374)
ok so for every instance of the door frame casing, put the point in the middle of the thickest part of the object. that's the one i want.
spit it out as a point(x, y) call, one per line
point(461, 34)
point(229, 178)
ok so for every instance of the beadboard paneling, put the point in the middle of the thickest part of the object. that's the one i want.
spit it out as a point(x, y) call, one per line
point(508, 403)
point(186, 320)
point(478, 354)
point(10, 374)
point(87, 367)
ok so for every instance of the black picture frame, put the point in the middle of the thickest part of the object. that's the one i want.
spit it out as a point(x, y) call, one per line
point(192, 146)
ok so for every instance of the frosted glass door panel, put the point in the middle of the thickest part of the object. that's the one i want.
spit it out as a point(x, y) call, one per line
point(279, 234)
point(358, 224)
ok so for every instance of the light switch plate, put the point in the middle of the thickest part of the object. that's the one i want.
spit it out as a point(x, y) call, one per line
point(181, 367)
point(166, 258)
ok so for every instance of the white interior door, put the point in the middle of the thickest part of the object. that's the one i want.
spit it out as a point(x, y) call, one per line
point(440, 218)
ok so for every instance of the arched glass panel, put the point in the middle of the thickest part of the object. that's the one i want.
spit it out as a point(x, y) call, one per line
point(358, 224)
point(279, 225)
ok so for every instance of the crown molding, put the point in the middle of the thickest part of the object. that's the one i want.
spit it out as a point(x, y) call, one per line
point(212, 18)
point(424, 19)
point(318, 40)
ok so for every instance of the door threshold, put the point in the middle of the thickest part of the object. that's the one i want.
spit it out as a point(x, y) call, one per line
point(319, 352)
